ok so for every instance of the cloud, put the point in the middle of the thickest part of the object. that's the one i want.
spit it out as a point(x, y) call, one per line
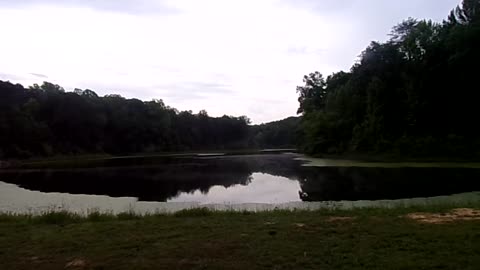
point(182, 91)
point(39, 75)
point(10, 77)
point(324, 6)
point(193, 90)
point(235, 57)
point(137, 7)
point(372, 9)
point(304, 50)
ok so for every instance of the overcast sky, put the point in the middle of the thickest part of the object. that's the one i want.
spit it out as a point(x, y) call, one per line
point(235, 57)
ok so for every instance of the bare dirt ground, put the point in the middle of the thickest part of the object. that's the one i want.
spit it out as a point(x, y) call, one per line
point(340, 219)
point(459, 214)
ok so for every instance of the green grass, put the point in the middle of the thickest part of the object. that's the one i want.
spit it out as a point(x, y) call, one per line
point(203, 239)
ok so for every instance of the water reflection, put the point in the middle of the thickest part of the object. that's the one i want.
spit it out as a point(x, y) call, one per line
point(157, 179)
point(262, 188)
point(267, 178)
point(354, 183)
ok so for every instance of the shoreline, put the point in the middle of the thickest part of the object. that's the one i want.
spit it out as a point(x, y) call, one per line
point(310, 161)
point(112, 206)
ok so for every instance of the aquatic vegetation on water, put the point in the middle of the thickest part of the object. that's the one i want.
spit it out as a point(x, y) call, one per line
point(320, 162)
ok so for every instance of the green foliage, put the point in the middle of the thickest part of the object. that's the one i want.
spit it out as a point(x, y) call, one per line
point(313, 93)
point(46, 120)
point(278, 134)
point(58, 218)
point(413, 95)
point(194, 212)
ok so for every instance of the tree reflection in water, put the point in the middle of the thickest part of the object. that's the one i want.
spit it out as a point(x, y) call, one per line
point(161, 179)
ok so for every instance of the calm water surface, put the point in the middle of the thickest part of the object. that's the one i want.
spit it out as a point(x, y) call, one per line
point(117, 184)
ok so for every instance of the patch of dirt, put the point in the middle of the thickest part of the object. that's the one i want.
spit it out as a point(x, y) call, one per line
point(340, 219)
point(460, 214)
point(39, 260)
point(76, 264)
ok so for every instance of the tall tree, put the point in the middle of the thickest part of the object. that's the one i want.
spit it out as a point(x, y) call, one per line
point(414, 94)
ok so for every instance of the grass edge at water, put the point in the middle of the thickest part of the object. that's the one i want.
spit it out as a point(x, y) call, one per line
point(65, 217)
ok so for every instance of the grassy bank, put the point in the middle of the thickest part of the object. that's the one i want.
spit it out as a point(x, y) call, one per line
point(202, 239)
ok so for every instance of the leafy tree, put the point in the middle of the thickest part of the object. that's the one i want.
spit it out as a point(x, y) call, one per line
point(415, 94)
point(312, 94)
point(46, 120)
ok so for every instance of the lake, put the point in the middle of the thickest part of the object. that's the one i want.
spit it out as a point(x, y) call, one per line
point(180, 181)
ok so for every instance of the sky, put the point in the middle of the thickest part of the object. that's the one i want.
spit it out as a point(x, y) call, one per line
point(233, 57)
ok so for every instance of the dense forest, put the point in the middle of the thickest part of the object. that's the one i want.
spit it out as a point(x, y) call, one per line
point(46, 120)
point(277, 134)
point(415, 94)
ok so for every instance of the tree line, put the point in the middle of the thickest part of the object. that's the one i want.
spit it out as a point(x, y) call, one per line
point(415, 94)
point(45, 120)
